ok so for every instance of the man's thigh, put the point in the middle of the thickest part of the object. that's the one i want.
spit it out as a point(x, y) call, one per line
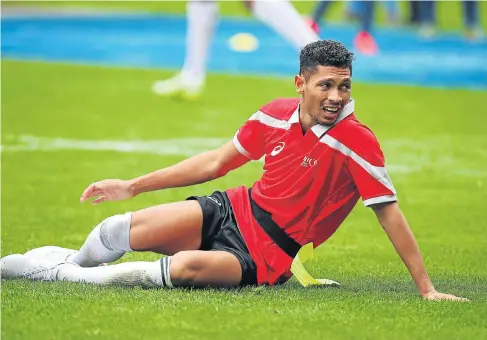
point(167, 228)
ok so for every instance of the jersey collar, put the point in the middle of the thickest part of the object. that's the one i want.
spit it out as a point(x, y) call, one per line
point(319, 129)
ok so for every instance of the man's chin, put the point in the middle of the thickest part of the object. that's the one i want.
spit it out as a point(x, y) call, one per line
point(328, 121)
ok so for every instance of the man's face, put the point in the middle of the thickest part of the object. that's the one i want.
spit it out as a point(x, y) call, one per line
point(325, 93)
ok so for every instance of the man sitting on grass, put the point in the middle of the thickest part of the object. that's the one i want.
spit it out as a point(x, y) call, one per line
point(319, 160)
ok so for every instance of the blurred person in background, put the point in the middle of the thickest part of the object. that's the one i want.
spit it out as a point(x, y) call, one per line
point(413, 13)
point(201, 19)
point(353, 11)
point(470, 11)
point(363, 11)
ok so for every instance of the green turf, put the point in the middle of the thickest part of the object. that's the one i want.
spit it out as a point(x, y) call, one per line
point(434, 141)
point(449, 12)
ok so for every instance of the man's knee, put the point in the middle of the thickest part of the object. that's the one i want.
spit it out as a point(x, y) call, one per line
point(114, 232)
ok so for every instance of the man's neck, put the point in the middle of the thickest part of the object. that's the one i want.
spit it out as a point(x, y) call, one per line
point(306, 120)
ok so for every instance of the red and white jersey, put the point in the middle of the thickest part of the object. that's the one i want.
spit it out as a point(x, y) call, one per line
point(310, 184)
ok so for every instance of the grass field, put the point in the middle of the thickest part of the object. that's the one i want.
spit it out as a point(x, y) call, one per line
point(62, 123)
point(435, 144)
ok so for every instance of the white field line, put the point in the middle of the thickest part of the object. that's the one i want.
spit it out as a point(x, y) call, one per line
point(179, 147)
point(403, 156)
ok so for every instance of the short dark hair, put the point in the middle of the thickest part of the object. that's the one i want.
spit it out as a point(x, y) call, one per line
point(324, 53)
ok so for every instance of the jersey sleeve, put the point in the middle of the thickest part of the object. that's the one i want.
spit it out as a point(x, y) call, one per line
point(367, 168)
point(249, 139)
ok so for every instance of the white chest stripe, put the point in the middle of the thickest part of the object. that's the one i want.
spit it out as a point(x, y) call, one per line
point(378, 172)
point(270, 121)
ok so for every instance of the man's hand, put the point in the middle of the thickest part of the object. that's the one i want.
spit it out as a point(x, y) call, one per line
point(107, 190)
point(401, 236)
point(436, 296)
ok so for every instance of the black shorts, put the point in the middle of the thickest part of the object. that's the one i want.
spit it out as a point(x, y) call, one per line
point(220, 232)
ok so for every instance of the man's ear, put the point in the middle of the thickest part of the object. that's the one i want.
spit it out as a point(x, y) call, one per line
point(299, 83)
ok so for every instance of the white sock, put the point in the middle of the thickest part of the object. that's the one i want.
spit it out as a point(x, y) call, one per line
point(129, 274)
point(286, 20)
point(108, 242)
point(202, 17)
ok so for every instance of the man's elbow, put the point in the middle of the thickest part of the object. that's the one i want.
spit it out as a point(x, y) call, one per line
point(217, 165)
point(213, 167)
point(224, 167)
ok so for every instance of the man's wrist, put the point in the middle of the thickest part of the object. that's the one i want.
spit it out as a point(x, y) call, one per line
point(426, 290)
point(423, 282)
point(133, 187)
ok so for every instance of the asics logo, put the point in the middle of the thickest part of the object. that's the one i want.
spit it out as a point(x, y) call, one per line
point(278, 148)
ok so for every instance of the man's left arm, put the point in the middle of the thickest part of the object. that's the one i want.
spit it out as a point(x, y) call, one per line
point(397, 229)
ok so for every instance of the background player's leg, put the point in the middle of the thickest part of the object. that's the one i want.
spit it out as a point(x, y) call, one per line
point(167, 228)
point(319, 10)
point(202, 16)
point(364, 40)
point(288, 22)
point(201, 19)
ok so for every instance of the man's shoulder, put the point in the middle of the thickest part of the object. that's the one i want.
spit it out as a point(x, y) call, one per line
point(355, 135)
point(351, 128)
point(280, 108)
